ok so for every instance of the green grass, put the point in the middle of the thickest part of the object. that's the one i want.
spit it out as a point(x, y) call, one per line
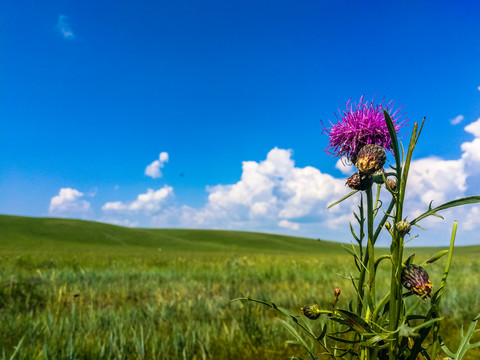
point(81, 290)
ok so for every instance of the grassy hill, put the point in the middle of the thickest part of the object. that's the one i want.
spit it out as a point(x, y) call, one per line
point(40, 233)
point(37, 234)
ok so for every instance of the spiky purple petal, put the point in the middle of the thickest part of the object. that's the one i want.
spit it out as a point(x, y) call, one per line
point(360, 124)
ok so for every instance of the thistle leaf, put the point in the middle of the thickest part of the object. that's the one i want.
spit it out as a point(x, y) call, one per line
point(436, 257)
point(465, 344)
point(393, 136)
point(447, 205)
point(344, 198)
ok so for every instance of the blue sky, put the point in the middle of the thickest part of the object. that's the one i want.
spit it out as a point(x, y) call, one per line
point(224, 102)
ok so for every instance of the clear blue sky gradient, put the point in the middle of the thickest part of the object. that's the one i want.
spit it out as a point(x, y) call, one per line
point(215, 83)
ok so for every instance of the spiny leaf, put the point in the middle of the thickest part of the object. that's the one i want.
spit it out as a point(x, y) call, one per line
point(447, 205)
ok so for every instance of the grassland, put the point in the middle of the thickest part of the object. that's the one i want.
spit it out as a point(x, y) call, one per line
point(83, 290)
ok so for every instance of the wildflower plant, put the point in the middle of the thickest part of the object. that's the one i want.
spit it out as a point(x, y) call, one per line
point(374, 327)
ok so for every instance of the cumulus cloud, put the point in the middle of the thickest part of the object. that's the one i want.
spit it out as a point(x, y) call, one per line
point(288, 224)
point(457, 120)
point(436, 179)
point(63, 27)
point(153, 170)
point(68, 203)
point(148, 203)
point(271, 195)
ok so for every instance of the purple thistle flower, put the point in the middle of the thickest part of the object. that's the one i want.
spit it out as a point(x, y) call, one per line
point(361, 123)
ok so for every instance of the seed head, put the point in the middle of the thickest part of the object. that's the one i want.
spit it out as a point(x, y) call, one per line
point(311, 311)
point(359, 181)
point(415, 279)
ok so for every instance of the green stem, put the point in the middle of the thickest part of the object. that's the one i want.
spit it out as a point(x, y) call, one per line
point(371, 256)
point(363, 259)
point(436, 327)
point(396, 300)
point(369, 262)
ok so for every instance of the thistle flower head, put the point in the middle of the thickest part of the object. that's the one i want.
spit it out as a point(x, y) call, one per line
point(415, 278)
point(360, 124)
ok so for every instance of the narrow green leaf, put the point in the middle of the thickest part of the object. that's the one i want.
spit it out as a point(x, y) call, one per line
point(409, 261)
point(300, 340)
point(343, 198)
point(350, 251)
point(353, 233)
point(447, 205)
point(444, 347)
point(354, 320)
point(393, 136)
point(346, 341)
point(323, 333)
point(436, 256)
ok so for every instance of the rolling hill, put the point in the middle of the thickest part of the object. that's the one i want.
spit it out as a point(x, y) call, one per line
point(29, 233)
point(38, 233)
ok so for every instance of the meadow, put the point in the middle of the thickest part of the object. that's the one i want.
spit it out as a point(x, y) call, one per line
point(82, 290)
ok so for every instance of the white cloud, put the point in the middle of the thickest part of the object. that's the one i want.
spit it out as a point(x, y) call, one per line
point(474, 128)
point(153, 170)
point(478, 88)
point(457, 120)
point(344, 167)
point(288, 224)
point(68, 203)
point(148, 203)
point(271, 195)
point(63, 27)
point(471, 150)
point(436, 179)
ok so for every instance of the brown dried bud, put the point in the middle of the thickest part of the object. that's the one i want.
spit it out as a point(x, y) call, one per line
point(359, 181)
point(403, 227)
point(311, 311)
point(336, 292)
point(391, 184)
point(415, 279)
point(370, 158)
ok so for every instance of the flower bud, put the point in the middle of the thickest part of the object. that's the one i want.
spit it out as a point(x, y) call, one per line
point(403, 227)
point(359, 181)
point(336, 292)
point(391, 184)
point(311, 311)
point(415, 279)
point(370, 158)
point(377, 176)
point(388, 226)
